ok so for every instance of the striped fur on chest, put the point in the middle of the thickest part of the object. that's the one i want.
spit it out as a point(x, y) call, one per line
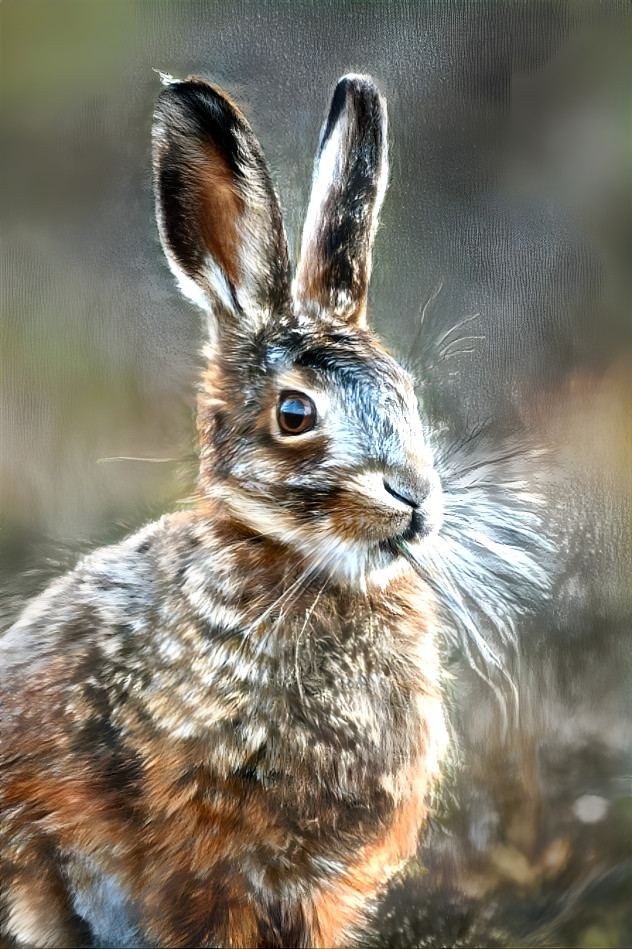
point(280, 675)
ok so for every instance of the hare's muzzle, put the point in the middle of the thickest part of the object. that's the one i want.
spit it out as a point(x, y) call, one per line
point(420, 491)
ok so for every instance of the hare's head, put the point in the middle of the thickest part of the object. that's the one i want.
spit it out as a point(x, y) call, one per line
point(310, 431)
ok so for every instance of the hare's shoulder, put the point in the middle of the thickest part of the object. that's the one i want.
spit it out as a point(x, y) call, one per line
point(123, 623)
point(115, 592)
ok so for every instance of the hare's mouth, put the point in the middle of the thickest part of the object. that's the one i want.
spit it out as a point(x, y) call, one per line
point(400, 547)
point(424, 522)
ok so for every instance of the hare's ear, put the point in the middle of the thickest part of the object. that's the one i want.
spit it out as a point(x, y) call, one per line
point(350, 175)
point(218, 215)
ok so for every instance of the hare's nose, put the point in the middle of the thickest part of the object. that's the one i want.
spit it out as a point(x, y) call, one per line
point(412, 486)
point(404, 498)
point(420, 490)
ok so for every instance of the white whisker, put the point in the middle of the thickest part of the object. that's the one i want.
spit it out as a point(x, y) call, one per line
point(444, 336)
point(308, 614)
point(491, 563)
point(418, 335)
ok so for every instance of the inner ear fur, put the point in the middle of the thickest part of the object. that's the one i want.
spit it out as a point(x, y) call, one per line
point(350, 175)
point(218, 215)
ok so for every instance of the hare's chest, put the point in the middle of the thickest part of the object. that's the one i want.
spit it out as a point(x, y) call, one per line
point(329, 692)
point(337, 700)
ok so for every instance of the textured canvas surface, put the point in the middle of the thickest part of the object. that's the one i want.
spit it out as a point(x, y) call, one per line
point(501, 277)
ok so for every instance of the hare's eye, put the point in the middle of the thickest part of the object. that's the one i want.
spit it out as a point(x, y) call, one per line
point(296, 413)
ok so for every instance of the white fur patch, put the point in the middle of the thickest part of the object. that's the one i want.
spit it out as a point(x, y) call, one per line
point(326, 171)
point(166, 78)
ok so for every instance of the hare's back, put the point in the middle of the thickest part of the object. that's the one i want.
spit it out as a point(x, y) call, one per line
point(111, 587)
point(107, 625)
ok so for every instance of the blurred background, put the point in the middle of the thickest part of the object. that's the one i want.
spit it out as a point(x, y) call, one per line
point(510, 202)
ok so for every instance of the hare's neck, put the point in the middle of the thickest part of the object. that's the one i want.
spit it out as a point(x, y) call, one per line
point(260, 574)
point(262, 633)
point(272, 593)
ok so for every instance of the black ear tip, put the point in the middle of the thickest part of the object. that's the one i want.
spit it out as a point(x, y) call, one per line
point(195, 107)
point(176, 97)
point(358, 95)
point(359, 89)
point(188, 91)
point(359, 83)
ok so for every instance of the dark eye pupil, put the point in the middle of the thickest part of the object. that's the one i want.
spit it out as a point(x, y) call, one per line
point(296, 413)
point(293, 413)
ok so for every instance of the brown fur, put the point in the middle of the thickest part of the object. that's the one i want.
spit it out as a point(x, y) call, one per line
point(221, 208)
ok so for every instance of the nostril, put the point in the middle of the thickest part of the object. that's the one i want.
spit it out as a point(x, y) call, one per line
point(400, 497)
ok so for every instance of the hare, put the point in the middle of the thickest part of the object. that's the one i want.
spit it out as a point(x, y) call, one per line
point(223, 730)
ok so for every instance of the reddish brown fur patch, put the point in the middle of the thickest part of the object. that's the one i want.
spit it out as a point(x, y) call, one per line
point(339, 909)
point(316, 281)
point(189, 879)
point(221, 209)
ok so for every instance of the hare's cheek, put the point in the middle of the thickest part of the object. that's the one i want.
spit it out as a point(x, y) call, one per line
point(294, 460)
point(359, 516)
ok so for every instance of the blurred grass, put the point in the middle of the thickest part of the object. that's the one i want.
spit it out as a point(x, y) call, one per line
point(56, 52)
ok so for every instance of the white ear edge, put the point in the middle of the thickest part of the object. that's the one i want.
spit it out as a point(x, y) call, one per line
point(189, 287)
point(326, 169)
point(382, 181)
point(194, 292)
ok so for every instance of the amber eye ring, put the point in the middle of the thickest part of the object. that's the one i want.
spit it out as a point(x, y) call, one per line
point(296, 413)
